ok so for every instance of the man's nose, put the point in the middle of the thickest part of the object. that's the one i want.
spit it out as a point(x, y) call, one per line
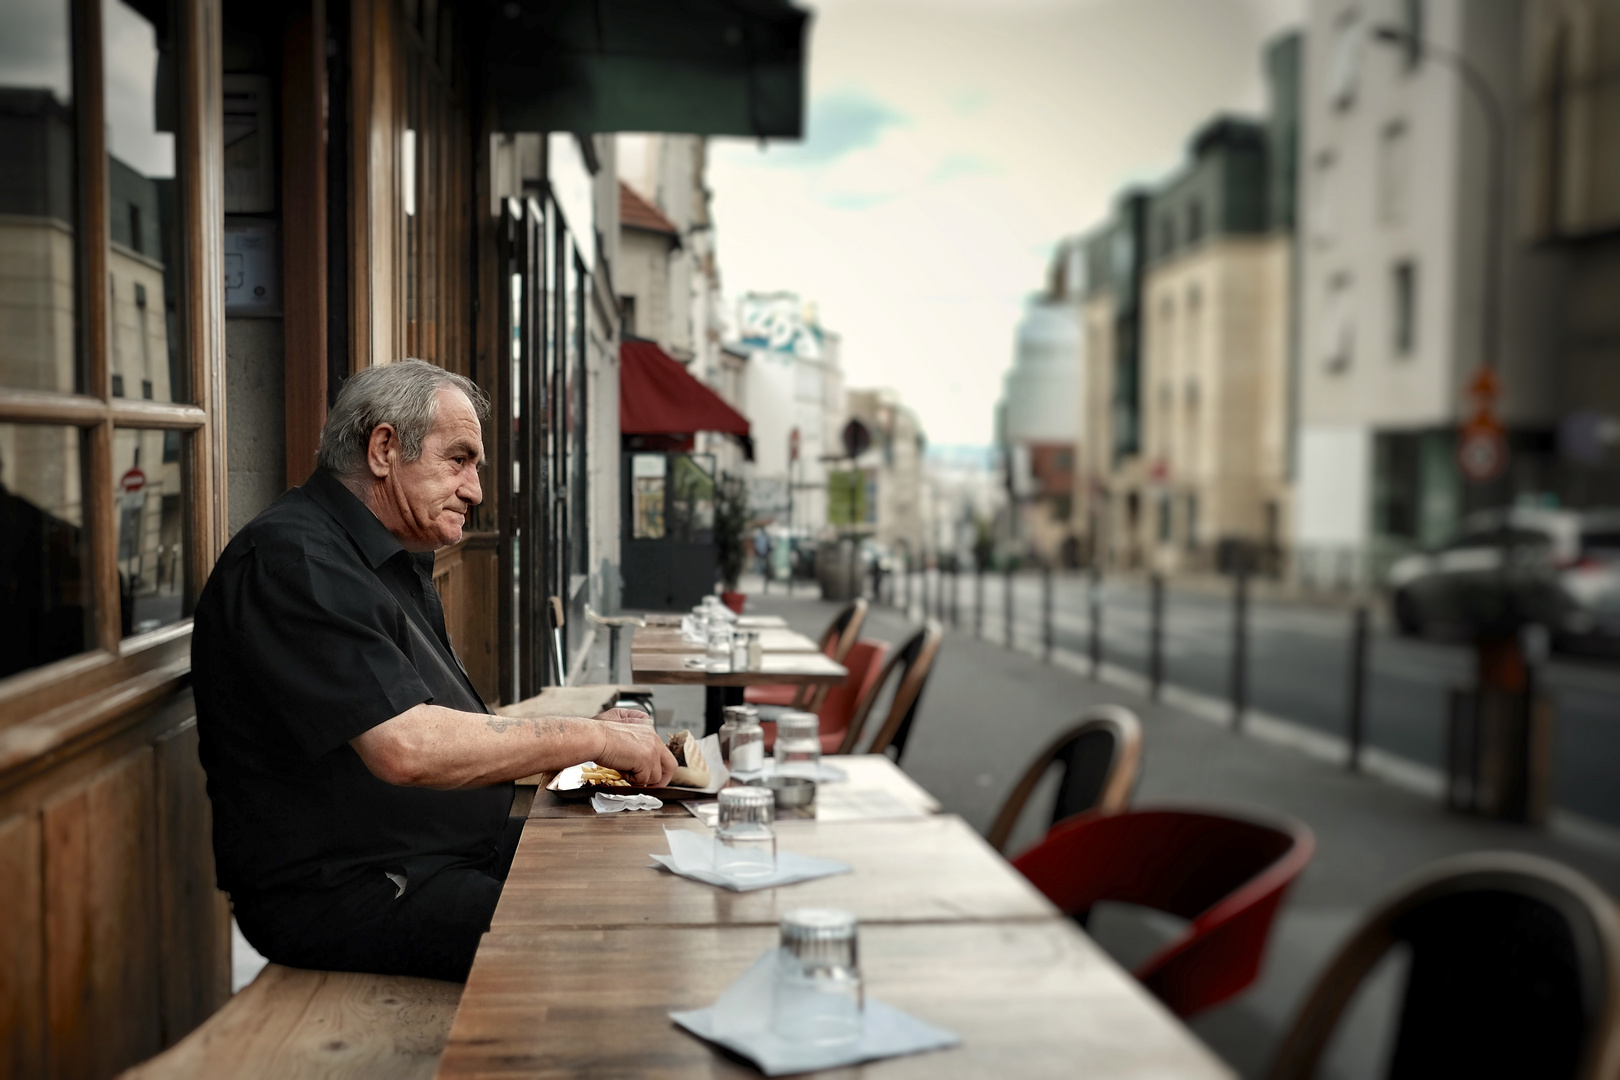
point(472, 490)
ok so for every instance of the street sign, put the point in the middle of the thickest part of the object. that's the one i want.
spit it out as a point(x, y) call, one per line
point(1481, 449)
point(132, 481)
point(857, 439)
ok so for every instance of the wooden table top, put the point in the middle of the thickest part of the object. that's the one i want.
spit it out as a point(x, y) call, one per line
point(667, 640)
point(572, 872)
point(746, 622)
point(794, 668)
point(868, 774)
point(1029, 999)
point(570, 700)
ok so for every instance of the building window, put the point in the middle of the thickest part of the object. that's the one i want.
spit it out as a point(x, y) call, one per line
point(627, 316)
point(1192, 521)
point(1167, 235)
point(1403, 304)
point(1394, 169)
point(1339, 327)
point(1195, 221)
point(1412, 15)
point(1166, 522)
point(1324, 213)
point(1344, 60)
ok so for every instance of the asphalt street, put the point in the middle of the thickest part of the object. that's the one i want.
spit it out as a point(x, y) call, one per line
point(1299, 669)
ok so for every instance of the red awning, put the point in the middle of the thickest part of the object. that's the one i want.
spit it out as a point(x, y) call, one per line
point(658, 397)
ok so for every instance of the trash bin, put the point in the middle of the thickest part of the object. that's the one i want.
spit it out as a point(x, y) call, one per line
point(838, 568)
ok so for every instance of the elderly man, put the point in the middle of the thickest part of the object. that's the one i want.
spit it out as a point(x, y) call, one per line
point(360, 786)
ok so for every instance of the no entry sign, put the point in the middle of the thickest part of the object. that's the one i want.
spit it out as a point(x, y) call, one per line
point(132, 481)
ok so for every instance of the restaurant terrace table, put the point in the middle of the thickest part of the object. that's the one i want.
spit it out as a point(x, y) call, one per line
point(726, 688)
point(592, 946)
point(744, 622)
point(671, 640)
point(875, 789)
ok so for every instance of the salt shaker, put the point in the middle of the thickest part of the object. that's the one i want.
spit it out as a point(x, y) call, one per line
point(747, 747)
point(756, 652)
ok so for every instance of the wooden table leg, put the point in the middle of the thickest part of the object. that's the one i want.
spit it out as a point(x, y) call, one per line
point(715, 700)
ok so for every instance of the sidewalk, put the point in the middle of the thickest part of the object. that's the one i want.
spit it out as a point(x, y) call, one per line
point(987, 712)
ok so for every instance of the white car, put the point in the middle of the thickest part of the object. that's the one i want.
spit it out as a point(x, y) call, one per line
point(1560, 568)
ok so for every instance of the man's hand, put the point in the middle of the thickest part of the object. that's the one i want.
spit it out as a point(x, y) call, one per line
point(625, 716)
point(636, 751)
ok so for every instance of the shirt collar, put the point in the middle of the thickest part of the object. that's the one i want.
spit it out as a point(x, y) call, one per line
point(375, 542)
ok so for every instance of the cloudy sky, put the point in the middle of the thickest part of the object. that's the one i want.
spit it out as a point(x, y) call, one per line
point(950, 144)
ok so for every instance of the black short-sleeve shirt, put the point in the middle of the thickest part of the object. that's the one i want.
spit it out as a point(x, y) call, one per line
point(315, 626)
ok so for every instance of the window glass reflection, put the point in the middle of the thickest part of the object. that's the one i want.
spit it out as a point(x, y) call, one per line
point(45, 590)
point(38, 334)
point(145, 358)
point(150, 512)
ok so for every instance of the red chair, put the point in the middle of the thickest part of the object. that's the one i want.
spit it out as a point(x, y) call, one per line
point(1226, 875)
point(865, 663)
point(836, 641)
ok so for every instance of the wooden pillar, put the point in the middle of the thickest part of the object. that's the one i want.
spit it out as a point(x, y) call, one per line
point(304, 232)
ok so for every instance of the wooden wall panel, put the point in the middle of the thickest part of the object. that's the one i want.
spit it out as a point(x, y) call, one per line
point(101, 957)
point(22, 953)
point(194, 919)
point(468, 579)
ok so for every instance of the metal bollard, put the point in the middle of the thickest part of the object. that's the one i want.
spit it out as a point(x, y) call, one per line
point(1155, 636)
point(1358, 684)
point(1095, 600)
point(1007, 604)
point(1240, 649)
point(1046, 612)
point(978, 601)
point(956, 595)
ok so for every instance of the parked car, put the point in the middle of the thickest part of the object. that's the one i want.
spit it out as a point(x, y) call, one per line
point(1559, 568)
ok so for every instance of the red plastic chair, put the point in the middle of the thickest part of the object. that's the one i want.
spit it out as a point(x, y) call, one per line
point(1226, 875)
point(865, 662)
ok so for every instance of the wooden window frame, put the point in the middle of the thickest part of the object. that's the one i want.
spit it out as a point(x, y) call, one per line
point(72, 701)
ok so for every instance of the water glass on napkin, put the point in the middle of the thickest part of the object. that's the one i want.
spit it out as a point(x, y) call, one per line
point(691, 855)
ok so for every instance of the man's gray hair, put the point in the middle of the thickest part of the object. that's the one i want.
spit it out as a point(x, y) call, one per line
point(404, 394)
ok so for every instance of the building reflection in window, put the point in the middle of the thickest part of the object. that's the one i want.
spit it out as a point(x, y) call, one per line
point(151, 546)
point(38, 285)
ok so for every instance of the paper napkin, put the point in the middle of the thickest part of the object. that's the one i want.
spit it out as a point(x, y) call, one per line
point(741, 1021)
point(691, 855)
point(603, 803)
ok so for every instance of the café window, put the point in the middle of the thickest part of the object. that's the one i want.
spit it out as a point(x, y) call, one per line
point(97, 524)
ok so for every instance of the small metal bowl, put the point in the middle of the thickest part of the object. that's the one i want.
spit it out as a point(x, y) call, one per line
point(793, 792)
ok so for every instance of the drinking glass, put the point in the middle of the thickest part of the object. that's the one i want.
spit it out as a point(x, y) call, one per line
point(818, 994)
point(719, 647)
point(747, 746)
point(798, 745)
point(745, 841)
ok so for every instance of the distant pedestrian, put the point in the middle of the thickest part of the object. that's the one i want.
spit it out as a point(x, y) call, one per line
point(762, 550)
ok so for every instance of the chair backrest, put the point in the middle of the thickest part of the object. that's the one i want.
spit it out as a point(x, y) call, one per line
point(836, 641)
point(911, 665)
point(865, 663)
point(1100, 757)
point(1225, 874)
point(1513, 969)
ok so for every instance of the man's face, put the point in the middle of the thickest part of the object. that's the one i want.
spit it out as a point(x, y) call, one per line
point(432, 495)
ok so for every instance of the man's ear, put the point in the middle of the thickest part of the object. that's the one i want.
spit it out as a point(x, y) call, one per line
point(380, 450)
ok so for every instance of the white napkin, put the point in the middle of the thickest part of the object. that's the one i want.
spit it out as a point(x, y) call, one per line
point(741, 1020)
point(603, 803)
point(691, 855)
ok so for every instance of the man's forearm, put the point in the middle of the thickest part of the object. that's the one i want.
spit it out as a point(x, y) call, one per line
point(431, 746)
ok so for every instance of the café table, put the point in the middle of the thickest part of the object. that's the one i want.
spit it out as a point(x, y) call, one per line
point(660, 620)
point(726, 688)
point(671, 640)
point(591, 947)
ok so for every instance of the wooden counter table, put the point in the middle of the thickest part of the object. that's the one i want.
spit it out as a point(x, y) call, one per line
point(666, 640)
point(873, 780)
point(1030, 999)
point(744, 622)
point(923, 869)
point(726, 688)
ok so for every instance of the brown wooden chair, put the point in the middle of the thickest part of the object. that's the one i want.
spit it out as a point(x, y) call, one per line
point(910, 665)
point(1100, 756)
point(1514, 971)
point(836, 641)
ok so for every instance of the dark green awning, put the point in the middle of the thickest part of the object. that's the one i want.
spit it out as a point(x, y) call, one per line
point(706, 67)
